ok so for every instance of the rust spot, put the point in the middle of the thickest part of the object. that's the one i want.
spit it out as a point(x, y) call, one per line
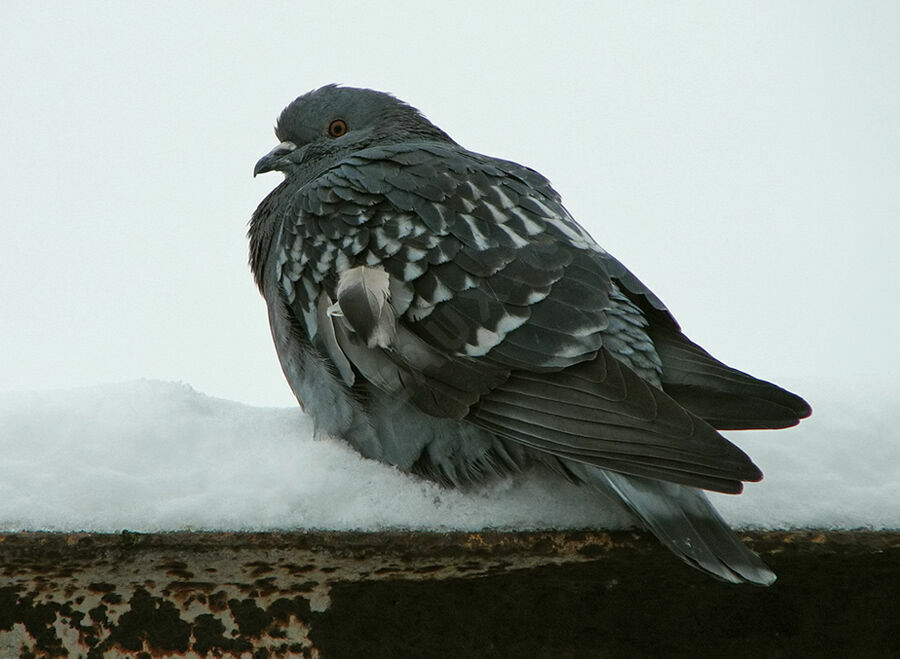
point(251, 619)
point(210, 640)
point(218, 601)
point(259, 567)
point(390, 568)
point(176, 569)
point(475, 540)
point(299, 569)
point(266, 586)
point(98, 615)
point(427, 569)
point(181, 587)
point(153, 620)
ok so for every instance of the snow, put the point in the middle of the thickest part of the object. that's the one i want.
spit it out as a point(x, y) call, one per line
point(154, 456)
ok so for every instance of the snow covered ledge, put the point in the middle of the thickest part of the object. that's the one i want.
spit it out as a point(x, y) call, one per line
point(151, 456)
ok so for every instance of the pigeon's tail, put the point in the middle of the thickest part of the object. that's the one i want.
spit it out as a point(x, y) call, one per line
point(722, 396)
point(685, 521)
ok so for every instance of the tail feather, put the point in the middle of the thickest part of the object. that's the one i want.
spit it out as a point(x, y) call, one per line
point(683, 519)
point(722, 396)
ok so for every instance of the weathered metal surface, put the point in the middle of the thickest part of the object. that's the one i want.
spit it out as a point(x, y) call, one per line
point(195, 593)
point(423, 594)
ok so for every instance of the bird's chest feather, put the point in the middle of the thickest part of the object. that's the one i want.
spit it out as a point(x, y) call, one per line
point(313, 253)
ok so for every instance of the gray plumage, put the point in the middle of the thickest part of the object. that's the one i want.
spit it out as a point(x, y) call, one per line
point(442, 312)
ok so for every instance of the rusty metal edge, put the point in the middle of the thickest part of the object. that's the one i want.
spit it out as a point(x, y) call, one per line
point(578, 544)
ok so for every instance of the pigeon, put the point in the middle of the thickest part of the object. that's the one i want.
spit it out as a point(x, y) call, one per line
point(442, 312)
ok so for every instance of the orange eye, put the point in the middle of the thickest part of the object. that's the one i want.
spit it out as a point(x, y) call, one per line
point(337, 128)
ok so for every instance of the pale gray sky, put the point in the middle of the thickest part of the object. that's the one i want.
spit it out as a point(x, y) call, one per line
point(741, 158)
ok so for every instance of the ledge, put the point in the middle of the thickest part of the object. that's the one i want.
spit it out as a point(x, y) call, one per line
point(396, 594)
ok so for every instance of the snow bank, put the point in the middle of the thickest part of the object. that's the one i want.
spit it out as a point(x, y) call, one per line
point(152, 456)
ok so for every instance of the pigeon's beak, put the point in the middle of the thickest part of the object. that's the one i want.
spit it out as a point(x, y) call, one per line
point(270, 161)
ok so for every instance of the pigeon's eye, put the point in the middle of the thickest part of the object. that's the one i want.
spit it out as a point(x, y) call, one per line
point(337, 128)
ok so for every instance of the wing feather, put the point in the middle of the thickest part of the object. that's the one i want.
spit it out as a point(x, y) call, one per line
point(513, 317)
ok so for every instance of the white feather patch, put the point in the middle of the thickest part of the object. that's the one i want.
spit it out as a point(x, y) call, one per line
point(364, 300)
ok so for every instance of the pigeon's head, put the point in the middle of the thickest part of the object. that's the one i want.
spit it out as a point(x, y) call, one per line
point(327, 124)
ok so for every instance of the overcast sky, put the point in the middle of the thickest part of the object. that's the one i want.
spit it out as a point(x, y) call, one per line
point(741, 158)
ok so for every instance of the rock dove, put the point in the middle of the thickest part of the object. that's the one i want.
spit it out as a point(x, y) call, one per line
point(441, 311)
